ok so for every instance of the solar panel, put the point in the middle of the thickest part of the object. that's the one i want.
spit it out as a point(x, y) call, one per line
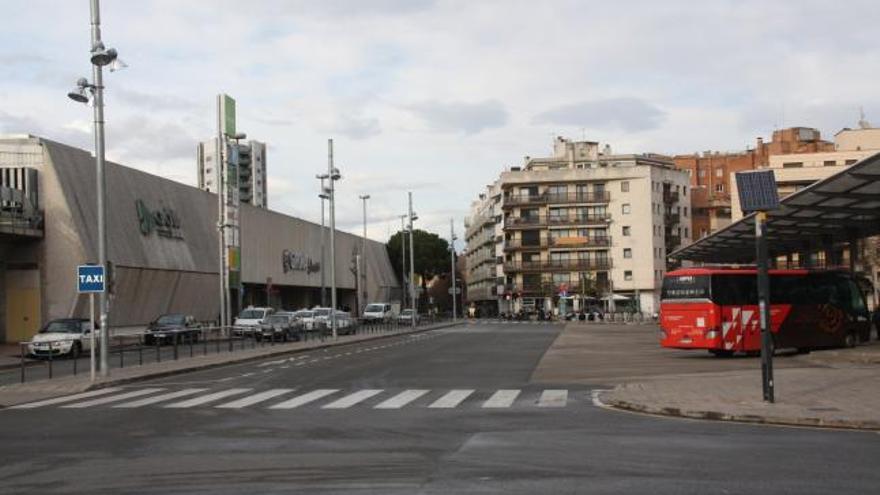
point(757, 190)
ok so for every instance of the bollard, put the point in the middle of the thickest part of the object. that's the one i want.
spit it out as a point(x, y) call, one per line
point(21, 348)
point(158, 354)
point(190, 343)
point(140, 353)
point(75, 360)
point(121, 352)
point(175, 337)
point(204, 334)
point(50, 359)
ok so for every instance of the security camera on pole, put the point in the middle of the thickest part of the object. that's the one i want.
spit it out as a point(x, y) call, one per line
point(82, 93)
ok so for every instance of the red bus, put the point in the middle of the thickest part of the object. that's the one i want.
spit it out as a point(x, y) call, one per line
point(717, 309)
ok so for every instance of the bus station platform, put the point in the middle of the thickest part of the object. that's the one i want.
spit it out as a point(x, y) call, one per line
point(835, 388)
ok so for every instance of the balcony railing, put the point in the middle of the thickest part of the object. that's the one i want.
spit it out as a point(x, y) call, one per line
point(512, 200)
point(557, 265)
point(559, 243)
point(673, 241)
point(554, 288)
point(554, 220)
point(670, 197)
point(672, 218)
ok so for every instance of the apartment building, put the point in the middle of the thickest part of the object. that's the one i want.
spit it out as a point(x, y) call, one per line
point(582, 228)
point(483, 232)
point(250, 160)
point(711, 173)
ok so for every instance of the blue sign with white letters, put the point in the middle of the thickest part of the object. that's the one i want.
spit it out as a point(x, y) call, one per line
point(90, 278)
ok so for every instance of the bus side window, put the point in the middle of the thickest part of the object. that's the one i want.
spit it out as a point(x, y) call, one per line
point(857, 301)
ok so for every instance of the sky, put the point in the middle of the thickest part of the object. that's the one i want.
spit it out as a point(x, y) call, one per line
point(431, 96)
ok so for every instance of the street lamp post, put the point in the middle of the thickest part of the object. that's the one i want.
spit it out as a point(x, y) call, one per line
point(363, 269)
point(452, 239)
point(405, 287)
point(412, 265)
point(100, 56)
point(324, 196)
point(333, 176)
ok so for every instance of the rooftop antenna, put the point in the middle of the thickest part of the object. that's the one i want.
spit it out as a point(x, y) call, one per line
point(863, 124)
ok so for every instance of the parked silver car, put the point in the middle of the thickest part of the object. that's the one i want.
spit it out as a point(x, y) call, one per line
point(280, 326)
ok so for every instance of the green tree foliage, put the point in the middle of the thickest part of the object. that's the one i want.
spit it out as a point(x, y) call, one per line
point(431, 252)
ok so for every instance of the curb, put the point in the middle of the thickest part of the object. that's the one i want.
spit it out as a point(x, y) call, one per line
point(236, 360)
point(624, 405)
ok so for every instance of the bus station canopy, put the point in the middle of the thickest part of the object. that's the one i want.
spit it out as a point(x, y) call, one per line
point(841, 208)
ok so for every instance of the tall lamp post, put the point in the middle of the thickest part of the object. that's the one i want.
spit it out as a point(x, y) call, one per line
point(412, 266)
point(404, 286)
point(324, 195)
point(452, 239)
point(363, 283)
point(100, 57)
point(333, 175)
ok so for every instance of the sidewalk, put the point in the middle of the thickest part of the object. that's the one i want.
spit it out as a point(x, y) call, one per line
point(843, 391)
point(27, 392)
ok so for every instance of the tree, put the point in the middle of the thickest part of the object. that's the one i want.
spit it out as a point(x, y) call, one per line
point(431, 254)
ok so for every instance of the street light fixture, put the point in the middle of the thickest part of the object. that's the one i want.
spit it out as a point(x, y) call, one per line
point(100, 57)
point(334, 175)
point(324, 196)
point(412, 266)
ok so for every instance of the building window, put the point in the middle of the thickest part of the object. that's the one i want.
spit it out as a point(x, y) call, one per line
point(850, 162)
point(685, 211)
point(702, 173)
point(719, 187)
point(627, 275)
point(719, 172)
point(624, 186)
point(627, 253)
point(626, 231)
point(792, 164)
point(830, 163)
point(684, 191)
point(625, 208)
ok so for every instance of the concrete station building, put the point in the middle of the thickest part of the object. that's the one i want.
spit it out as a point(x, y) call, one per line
point(162, 241)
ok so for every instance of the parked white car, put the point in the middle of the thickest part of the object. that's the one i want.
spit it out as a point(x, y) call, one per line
point(305, 318)
point(383, 312)
point(62, 337)
point(321, 317)
point(250, 319)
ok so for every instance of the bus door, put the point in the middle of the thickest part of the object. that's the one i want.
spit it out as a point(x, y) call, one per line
point(737, 295)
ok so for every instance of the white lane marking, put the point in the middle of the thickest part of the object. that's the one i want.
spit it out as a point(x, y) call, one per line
point(247, 374)
point(67, 398)
point(352, 399)
point(553, 398)
point(301, 363)
point(271, 363)
point(159, 398)
point(401, 399)
point(114, 398)
point(452, 399)
point(305, 398)
point(204, 399)
point(502, 398)
point(254, 399)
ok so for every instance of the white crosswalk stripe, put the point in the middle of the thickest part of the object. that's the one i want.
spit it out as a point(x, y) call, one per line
point(66, 398)
point(305, 398)
point(204, 399)
point(452, 399)
point(113, 398)
point(255, 399)
point(160, 398)
point(502, 398)
point(352, 399)
point(553, 398)
point(401, 399)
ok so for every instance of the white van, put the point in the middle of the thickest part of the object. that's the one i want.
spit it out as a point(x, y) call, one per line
point(250, 319)
point(383, 312)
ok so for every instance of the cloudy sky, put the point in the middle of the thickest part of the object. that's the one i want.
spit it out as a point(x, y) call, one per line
point(436, 97)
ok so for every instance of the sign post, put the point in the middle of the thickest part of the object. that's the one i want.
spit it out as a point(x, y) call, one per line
point(90, 280)
point(758, 193)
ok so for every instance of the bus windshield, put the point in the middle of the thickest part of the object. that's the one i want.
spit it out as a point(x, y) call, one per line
point(685, 287)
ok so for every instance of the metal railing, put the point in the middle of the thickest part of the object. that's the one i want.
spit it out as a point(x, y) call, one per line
point(70, 356)
point(512, 222)
point(551, 243)
point(557, 265)
point(512, 200)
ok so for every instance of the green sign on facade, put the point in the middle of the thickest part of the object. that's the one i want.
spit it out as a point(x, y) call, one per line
point(228, 104)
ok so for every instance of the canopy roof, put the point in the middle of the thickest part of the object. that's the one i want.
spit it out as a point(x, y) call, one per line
point(840, 208)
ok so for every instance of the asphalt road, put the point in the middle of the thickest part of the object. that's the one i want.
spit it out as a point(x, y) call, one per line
point(448, 411)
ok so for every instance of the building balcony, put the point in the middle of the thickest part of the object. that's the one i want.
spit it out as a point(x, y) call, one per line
point(555, 221)
point(548, 289)
point(556, 265)
point(670, 197)
point(673, 241)
point(558, 243)
point(19, 219)
point(672, 218)
point(513, 200)
point(578, 197)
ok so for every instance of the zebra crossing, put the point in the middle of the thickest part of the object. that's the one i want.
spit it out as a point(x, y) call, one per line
point(323, 399)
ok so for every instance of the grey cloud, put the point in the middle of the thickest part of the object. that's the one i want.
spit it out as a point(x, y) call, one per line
point(628, 114)
point(350, 8)
point(153, 101)
point(357, 127)
point(469, 118)
point(18, 124)
point(151, 140)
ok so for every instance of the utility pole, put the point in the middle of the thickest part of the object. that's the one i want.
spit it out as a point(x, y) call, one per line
point(333, 176)
point(412, 265)
point(452, 262)
point(404, 286)
point(363, 277)
point(220, 167)
point(323, 195)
